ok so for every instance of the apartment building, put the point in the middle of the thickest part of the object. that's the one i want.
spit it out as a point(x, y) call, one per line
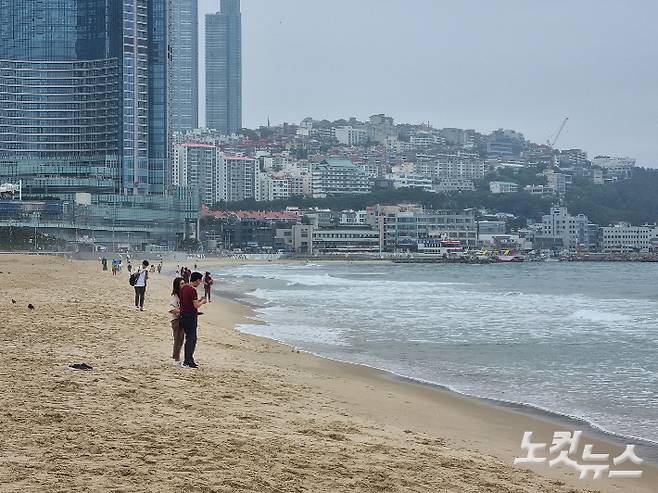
point(338, 176)
point(238, 178)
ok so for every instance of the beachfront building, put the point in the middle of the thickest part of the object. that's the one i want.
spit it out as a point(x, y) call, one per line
point(224, 68)
point(94, 131)
point(624, 238)
point(338, 176)
point(401, 227)
point(498, 187)
point(561, 230)
point(238, 178)
point(311, 239)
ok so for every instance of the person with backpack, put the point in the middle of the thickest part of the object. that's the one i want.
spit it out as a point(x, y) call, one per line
point(139, 280)
point(207, 286)
point(189, 314)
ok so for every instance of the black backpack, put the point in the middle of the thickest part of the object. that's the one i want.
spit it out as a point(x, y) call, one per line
point(133, 278)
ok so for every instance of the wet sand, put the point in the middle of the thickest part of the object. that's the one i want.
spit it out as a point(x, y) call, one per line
point(257, 416)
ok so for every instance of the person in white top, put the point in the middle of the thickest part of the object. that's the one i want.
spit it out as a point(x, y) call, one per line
point(140, 285)
point(174, 314)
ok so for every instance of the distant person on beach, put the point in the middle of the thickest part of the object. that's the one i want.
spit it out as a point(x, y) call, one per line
point(207, 286)
point(189, 313)
point(130, 267)
point(159, 267)
point(174, 313)
point(140, 285)
point(186, 274)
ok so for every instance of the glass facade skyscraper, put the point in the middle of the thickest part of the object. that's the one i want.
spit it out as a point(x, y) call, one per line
point(84, 96)
point(185, 65)
point(224, 68)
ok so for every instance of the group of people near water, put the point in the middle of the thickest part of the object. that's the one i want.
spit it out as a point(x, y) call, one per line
point(183, 307)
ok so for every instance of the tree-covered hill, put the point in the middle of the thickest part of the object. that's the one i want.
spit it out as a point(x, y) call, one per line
point(634, 200)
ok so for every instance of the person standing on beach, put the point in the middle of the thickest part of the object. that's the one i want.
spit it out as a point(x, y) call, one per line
point(130, 267)
point(207, 286)
point(174, 313)
point(189, 313)
point(140, 285)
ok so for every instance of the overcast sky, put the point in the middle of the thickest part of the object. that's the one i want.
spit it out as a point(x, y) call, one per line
point(480, 64)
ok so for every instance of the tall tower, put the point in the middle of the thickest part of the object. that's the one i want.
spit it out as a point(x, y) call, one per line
point(96, 73)
point(185, 65)
point(224, 68)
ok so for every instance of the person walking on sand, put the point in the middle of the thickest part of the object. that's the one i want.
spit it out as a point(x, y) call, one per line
point(140, 285)
point(174, 313)
point(130, 267)
point(207, 286)
point(189, 313)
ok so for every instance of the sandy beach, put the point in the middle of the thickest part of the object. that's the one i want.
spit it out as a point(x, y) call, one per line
point(256, 417)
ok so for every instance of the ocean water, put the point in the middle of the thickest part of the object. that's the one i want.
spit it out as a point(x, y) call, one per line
point(578, 339)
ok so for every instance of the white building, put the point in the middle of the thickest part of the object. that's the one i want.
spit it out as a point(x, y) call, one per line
point(408, 180)
point(443, 185)
point(338, 176)
point(301, 182)
point(571, 231)
point(541, 190)
point(460, 165)
point(403, 226)
point(238, 178)
point(558, 182)
point(353, 217)
point(624, 238)
point(273, 187)
point(426, 139)
point(615, 167)
point(197, 165)
point(351, 136)
point(380, 128)
point(503, 187)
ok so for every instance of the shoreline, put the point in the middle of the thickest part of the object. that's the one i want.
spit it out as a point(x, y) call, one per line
point(258, 415)
point(527, 409)
point(648, 449)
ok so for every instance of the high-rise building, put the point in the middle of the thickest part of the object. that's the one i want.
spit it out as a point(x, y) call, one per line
point(239, 178)
point(224, 68)
point(197, 165)
point(185, 65)
point(83, 96)
point(84, 117)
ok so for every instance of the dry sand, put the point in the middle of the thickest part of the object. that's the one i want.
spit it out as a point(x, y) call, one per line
point(256, 417)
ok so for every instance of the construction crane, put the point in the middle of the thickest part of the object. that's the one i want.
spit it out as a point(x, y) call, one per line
point(557, 135)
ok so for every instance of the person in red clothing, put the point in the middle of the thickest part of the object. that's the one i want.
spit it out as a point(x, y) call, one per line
point(189, 313)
